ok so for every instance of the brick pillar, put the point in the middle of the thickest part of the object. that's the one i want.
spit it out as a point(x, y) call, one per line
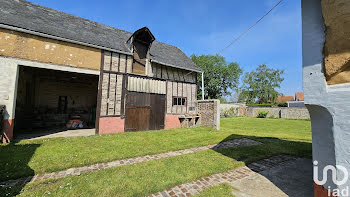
point(209, 110)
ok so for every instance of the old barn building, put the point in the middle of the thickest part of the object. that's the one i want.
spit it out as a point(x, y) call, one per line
point(60, 70)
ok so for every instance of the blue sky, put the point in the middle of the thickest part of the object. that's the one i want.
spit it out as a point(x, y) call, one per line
point(207, 26)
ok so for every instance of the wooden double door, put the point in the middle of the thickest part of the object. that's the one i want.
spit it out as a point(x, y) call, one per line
point(144, 111)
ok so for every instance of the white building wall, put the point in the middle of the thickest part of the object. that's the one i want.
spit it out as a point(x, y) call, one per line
point(9, 79)
point(8, 84)
point(329, 105)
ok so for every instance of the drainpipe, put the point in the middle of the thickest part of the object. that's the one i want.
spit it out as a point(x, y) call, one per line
point(203, 86)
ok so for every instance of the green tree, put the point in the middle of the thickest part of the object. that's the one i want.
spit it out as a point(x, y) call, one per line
point(259, 86)
point(223, 100)
point(219, 76)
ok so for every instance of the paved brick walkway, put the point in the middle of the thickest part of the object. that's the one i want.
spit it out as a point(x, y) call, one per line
point(100, 166)
point(271, 162)
point(196, 187)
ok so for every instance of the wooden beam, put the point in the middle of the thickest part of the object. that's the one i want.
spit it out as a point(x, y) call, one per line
point(99, 95)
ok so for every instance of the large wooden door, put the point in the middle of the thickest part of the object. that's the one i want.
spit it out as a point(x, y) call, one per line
point(136, 118)
point(157, 112)
point(144, 111)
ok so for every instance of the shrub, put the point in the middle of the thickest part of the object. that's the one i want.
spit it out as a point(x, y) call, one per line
point(262, 114)
point(231, 112)
point(273, 117)
point(282, 104)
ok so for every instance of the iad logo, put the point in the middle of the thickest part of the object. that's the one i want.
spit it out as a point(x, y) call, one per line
point(333, 170)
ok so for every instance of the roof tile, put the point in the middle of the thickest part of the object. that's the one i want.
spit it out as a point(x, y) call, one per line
point(29, 16)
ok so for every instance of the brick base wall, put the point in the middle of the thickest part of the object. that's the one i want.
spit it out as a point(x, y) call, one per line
point(7, 133)
point(172, 122)
point(111, 125)
point(320, 191)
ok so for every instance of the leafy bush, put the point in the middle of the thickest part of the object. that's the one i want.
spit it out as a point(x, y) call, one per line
point(273, 117)
point(262, 114)
point(261, 105)
point(282, 104)
point(231, 112)
point(222, 100)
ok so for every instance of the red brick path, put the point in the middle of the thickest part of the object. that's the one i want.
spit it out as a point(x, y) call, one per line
point(196, 187)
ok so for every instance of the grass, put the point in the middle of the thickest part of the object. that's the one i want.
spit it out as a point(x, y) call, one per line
point(145, 178)
point(291, 137)
point(286, 129)
point(221, 190)
point(29, 157)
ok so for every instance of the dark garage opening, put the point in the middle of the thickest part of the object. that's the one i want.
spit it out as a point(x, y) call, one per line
point(51, 101)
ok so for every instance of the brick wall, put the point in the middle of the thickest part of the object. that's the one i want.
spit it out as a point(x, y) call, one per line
point(209, 111)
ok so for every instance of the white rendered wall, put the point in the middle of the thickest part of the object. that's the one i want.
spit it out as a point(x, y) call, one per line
point(9, 79)
point(8, 84)
point(329, 106)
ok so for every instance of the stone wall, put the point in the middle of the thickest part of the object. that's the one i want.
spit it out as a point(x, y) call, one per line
point(209, 110)
point(280, 112)
point(232, 109)
point(273, 111)
point(295, 113)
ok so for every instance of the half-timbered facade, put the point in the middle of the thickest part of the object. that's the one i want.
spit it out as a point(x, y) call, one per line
point(57, 68)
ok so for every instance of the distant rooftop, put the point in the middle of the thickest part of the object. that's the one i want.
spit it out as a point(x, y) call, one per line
point(285, 98)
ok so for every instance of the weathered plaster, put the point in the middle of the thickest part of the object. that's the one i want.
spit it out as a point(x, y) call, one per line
point(9, 76)
point(45, 50)
point(336, 15)
point(329, 106)
point(111, 125)
point(172, 121)
point(9, 83)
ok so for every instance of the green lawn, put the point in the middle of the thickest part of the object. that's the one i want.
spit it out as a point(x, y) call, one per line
point(222, 190)
point(49, 155)
point(291, 137)
point(145, 178)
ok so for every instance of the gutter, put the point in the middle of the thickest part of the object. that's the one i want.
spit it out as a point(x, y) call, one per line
point(60, 38)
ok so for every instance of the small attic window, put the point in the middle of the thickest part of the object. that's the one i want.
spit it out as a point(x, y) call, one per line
point(141, 43)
